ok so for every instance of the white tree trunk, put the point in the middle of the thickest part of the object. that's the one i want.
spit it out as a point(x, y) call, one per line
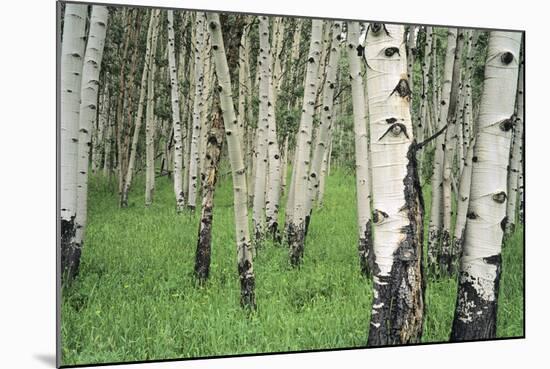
point(436, 218)
point(515, 160)
point(197, 108)
point(361, 151)
point(150, 117)
point(446, 259)
point(325, 124)
point(258, 210)
point(463, 200)
point(296, 229)
point(147, 66)
point(176, 117)
point(476, 307)
point(397, 310)
point(88, 116)
point(72, 57)
point(244, 249)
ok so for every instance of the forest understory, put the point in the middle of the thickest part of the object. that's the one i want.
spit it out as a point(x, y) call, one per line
point(136, 297)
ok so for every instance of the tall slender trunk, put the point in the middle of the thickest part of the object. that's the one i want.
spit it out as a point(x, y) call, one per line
point(244, 249)
point(147, 67)
point(150, 117)
point(176, 117)
point(284, 166)
point(426, 62)
point(463, 200)
point(98, 135)
point(210, 174)
point(446, 262)
point(436, 218)
point(398, 306)
point(197, 108)
point(296, 229)
point(325, 124)
point(478, 283)
point(72, 56)
point(361, 152)
point(263, 129)
point(87, 118)
point(515, 160)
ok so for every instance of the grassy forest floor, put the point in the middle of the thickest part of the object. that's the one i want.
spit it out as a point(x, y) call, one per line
point(136, 297)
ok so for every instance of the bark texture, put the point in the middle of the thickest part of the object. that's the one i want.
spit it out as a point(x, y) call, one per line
point(398, 305)
point(476, 306)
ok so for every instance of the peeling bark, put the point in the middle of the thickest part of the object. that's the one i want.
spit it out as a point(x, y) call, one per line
point(212, 157)
point(398, 304)
point(476, 307)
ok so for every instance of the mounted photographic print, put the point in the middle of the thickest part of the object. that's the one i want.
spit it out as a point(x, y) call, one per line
point(237, 184)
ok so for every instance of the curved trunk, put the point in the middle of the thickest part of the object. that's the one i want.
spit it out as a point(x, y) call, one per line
point(72, 56)
point(478, 283)
point(234, 148)
point(398, 306)
point(88, 116)
point(296, 229)
point(176, 117)
point(361, 152)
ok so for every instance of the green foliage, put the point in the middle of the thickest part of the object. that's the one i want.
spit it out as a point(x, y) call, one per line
point(136, 298)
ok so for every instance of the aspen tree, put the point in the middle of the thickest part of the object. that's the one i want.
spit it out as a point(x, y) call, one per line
point(436, 218)
point(515, 159)
point(87, 119)
point(478, 283)
point(210, 174)
point(325, 124)
point(197, 108)
point(244, 247)
point(422, 119)
point(72, 57)
point(296, 228)
point(176, 117)
point(445, 256)
point(398, 307)
point(361, 151)
point(147, 66)
point(150, 117)
point(260, 169)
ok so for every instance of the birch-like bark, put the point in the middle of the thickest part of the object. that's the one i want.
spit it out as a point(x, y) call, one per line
point(137, 125)
point(478, 283)
point(99, 134)
point(325, 124)
point(361, 151)
point(515, 160)
point(398, 307)
point(150, 117)
point(463, 200)
point(176, 117)
point(258, 209)
point(87, 118)
point(210, 174)
point(284, 166)
point(244, 249)
point(296, 229)
point(273, 151)
point(422, 119)
point(197, 108)
point(436, 218)
point(72, 57)
point(446, 262)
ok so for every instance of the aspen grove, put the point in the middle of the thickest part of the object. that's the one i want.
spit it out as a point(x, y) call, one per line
point(289, 174)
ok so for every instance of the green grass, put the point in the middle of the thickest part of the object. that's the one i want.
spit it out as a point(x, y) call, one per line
point(136, 298)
